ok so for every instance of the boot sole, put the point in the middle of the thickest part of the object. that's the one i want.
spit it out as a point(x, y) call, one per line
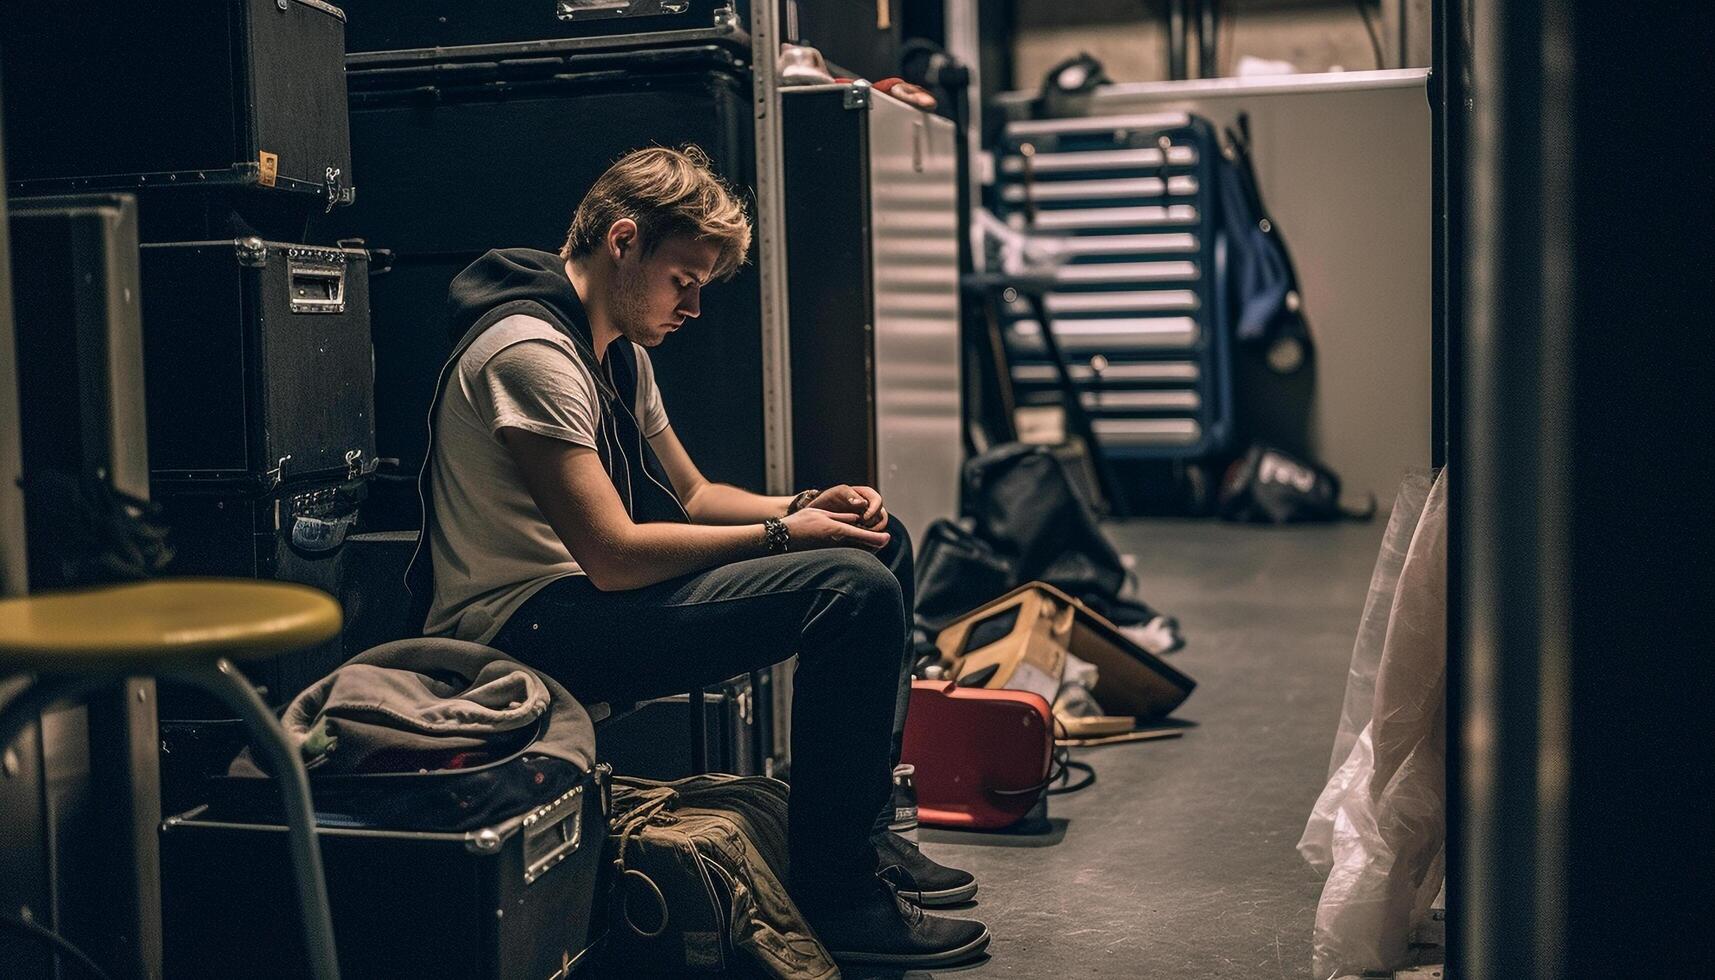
point(945, 957)
point(944, 897)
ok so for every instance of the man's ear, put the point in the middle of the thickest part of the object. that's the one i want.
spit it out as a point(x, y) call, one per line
point(621, 238)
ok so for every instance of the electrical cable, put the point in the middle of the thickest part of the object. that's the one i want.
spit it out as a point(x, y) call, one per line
point(1372, 31)
point(60, 945)
point(1063, 756)
point(1066, 768)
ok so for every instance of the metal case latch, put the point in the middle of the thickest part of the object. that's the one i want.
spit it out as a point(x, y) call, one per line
point(278, 474)
point(315, 280)
point(552, 833)
point(333, 187)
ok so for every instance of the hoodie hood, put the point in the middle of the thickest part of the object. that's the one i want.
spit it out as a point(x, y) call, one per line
point(511, 275)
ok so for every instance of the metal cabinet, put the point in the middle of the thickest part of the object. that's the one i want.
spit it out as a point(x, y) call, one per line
point(872, 258)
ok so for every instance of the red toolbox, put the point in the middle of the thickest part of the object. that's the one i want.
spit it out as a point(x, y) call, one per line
point(982, 756)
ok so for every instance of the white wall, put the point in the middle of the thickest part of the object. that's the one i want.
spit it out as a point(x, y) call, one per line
point(1129, 37)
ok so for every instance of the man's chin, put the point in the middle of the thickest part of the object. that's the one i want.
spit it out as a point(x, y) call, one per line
point(647, 338)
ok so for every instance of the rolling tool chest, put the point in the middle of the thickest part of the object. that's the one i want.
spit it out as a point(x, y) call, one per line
point(1137, 306)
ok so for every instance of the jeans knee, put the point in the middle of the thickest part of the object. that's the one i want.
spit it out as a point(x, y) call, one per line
point(863, 578)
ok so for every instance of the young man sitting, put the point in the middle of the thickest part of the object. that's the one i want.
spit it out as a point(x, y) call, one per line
point(567, 526)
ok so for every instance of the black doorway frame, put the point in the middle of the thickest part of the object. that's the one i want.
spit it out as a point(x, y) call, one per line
point(1573, 345)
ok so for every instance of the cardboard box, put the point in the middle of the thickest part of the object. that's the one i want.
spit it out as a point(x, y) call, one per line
point(1026, 635)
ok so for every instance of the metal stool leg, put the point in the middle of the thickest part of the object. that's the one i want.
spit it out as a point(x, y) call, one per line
point(699, 733)
point(224, 680)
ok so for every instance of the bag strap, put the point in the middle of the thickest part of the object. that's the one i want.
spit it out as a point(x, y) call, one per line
point(648, 811)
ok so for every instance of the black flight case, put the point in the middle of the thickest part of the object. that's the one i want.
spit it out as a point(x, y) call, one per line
point(79, 355)
point(736, 723)
point(258, 362)
point(514, 899)
point(858, 36)
point(461, 158)
point(390, 31)
point(260, 400)
point(199, 93)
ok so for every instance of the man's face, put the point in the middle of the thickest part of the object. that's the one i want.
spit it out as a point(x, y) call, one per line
point(655, 294)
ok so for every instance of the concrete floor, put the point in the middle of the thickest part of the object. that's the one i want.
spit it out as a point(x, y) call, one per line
point(1180, 862)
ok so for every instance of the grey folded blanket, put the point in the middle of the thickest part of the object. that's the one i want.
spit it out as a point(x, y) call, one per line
point(431, 703)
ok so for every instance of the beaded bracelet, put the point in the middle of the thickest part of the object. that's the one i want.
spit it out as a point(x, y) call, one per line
point(775, 536)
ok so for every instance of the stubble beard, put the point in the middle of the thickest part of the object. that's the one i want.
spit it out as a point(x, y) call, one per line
point(630, 309)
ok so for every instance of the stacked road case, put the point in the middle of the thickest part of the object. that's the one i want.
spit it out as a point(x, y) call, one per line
point(463, 156)
point(79, 792)
point(227, 120)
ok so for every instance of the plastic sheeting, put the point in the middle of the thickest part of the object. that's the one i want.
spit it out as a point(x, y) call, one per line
point(1378, 831)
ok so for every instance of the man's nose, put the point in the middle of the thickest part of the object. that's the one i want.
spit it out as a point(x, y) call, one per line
point(691, 304)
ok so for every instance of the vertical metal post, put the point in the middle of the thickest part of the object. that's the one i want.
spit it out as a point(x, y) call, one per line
point(1514, 509)
point(1448, 88)
point(1403, 33)
point(1177, 45)
point(1449, 93)
point(13, 571)
point(698, 719)
point(1580, 711)
point(964, 43)
point(771, 250)
point(1208, 38)
point(771, 278)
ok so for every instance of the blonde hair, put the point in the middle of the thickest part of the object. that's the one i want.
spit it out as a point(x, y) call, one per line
point(667, 192)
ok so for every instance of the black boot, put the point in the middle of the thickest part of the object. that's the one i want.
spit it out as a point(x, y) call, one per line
point(927, 883)
point(874, 924)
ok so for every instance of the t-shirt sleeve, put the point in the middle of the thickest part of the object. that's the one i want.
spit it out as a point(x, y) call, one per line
point(537, 386)
point(654, 416)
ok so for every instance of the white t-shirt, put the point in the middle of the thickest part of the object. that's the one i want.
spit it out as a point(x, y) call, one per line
point(491, 546)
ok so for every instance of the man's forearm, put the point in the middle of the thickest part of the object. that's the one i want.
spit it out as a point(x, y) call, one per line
point(721, 503)
point(656, 552)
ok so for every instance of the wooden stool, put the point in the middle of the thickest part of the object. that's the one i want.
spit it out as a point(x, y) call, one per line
point(187, 630)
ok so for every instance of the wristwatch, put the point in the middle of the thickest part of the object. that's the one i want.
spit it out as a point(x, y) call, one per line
point(776, 537)
point(802, 501)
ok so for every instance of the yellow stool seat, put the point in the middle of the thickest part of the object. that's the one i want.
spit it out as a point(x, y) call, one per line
point(188, 630)
point(163, 621)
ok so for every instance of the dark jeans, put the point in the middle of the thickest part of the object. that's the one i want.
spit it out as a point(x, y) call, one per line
point(843, 611)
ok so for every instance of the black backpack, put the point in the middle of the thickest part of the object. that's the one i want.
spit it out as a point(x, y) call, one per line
point(1025, 507)
point(81, 531)
point(1272, 486)
point(957, 572)
point(1025, 522)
